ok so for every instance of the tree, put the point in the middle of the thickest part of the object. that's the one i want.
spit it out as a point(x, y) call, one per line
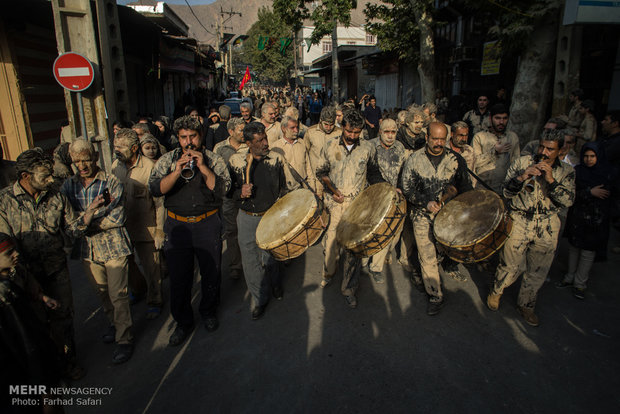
point(326, 15)
point(530, 27)
point(269, 63)
point(413, 40)
point(527, 28)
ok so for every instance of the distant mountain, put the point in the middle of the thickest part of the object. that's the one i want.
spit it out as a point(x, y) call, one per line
point(208, 15)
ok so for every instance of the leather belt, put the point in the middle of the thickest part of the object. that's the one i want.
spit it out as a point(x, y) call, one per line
point(192, 219)
point(249, 213)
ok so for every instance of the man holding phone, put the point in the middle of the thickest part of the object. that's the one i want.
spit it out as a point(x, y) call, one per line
point(105, 247)
point(193, 181)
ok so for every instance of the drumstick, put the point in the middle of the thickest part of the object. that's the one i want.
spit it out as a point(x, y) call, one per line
point(448, 194)
point(249, 159)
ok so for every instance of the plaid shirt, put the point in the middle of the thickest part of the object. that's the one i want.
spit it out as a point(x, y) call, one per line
point(106, 238)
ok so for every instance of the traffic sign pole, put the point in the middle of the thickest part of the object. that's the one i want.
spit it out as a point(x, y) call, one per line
point(82, 117)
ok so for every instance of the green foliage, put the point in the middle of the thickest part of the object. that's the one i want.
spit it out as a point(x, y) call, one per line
point(270, 63)
point(324, 14)
point(511, 21)
point(514, 21)
point(394, 27)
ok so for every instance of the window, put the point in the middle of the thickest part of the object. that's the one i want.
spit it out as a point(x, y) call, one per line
point(370, 39)
point(327, 47)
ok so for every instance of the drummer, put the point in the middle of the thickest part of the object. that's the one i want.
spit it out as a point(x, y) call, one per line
point(255, 189)
point(390, 156)
point(426, 178)
point(342, 168)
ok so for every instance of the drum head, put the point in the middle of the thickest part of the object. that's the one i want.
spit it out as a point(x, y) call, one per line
point(468, 218)
point(365, 214)
point(285, 218)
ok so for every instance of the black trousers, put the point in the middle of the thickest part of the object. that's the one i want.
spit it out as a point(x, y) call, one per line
point(186, 242)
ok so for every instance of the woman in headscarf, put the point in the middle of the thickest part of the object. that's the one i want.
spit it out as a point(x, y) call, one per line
point(166, 135)
point(150, 146)
point(587, 225)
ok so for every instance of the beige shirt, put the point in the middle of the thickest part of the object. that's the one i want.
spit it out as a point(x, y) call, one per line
point(491, 167)
point(315, 139)
point(145, 213)
point(273, 132)
point(296, 155)
point(225, 150)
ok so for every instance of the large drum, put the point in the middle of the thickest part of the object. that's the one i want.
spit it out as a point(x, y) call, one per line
point(472, 226)
point(294, 223)
point(372, 219)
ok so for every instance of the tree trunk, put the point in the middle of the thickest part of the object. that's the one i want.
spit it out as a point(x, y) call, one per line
point(426, 63)
point(335, 64)
point(532, 89)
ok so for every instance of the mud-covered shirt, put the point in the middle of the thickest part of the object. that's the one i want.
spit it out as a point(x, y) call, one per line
point(388, 162)
point(315, 139)
point(545, 199)
point(491, 167)
point(422, 182)
point(37, 227)
point(346, 169)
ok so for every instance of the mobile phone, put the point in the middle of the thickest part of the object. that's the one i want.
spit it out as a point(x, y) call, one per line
point(106, 197)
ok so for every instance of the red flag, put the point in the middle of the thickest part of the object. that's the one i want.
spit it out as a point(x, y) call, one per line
point(246, 77)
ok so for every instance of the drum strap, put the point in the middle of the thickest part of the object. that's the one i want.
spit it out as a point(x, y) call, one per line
point(485, 185)
point(299, 178)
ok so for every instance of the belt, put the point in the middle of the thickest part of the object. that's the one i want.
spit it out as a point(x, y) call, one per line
point(192, 219)
point(249, 213)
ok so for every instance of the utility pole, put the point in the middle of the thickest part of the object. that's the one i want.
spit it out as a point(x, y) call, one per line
point(226, 55)
point(335, 63)
point(295, 55)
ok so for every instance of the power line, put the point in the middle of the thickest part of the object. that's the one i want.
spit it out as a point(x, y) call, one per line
point(198, 20)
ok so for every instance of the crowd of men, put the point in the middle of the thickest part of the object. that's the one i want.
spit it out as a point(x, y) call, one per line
point(178, 192)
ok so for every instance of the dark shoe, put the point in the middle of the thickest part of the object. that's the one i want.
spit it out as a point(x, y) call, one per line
point(122, 353)
point(377, 276)
point(579, 293)
point(73, 371)
point(351, 301)
point(258, 312)
point(109, 336)
point(211, 324)
point(529, 316)
point(278, 292)
point(179, 335)
point(433, 308)
point(562, 284)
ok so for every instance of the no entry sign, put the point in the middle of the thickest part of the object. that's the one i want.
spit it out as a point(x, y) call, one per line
point(73, 71)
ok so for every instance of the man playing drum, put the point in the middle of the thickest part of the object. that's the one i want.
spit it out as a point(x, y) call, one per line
point(390, 156)
point(428, 177)
point(537, 188)
point(259, 179)
point(342, 169)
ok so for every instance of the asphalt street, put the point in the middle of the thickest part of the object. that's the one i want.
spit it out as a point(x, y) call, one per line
point(310, 353)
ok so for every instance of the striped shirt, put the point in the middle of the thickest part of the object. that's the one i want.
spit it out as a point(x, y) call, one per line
point(107, 237)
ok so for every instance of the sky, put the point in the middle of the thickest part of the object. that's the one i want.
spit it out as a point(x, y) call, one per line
point(191, 2)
